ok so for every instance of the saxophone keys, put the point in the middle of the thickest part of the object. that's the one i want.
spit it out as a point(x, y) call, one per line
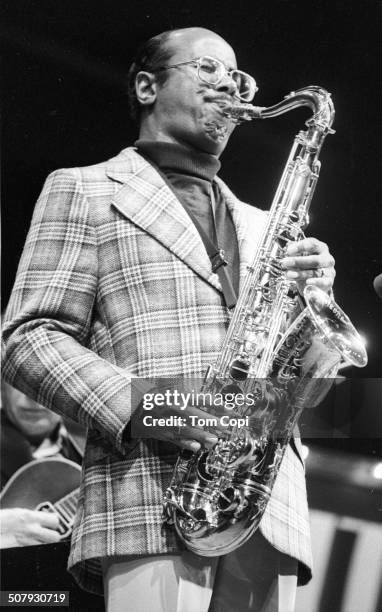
point(239, 368)
point(229, 500)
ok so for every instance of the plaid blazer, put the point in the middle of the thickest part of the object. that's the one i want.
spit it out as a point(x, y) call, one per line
point(115, 282)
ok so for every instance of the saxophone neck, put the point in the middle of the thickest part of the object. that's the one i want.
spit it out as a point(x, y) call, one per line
point(316, 98)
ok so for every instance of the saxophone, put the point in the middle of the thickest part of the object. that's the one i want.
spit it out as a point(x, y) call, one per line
point(282, 360)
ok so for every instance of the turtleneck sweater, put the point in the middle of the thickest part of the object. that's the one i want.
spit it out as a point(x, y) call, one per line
point(191, 175)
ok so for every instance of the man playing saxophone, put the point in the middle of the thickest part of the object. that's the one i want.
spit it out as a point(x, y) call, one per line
point(116, 282)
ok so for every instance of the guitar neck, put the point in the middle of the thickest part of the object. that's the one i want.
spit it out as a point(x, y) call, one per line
point(66, 506)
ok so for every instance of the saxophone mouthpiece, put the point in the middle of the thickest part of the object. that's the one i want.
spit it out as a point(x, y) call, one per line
point(242, 112)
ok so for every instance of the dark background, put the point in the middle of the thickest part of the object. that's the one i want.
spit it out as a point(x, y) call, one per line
point(65, 105)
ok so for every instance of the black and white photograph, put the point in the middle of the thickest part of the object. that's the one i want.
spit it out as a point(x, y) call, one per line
point(191, 392)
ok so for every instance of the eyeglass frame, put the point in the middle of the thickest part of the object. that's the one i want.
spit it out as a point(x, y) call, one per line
point(227, 72)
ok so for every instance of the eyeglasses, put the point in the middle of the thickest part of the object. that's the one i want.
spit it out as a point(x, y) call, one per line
point(212, 71)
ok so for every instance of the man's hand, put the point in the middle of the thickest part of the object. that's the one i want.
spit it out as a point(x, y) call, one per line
point(186, 433)
point(309, 262)
point(22, 527)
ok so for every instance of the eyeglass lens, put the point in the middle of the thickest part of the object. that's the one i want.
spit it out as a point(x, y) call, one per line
point(212, 71)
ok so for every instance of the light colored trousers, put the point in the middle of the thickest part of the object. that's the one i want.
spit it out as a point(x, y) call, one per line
point(254, 578)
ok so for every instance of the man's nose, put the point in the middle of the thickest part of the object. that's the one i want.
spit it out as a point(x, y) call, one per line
point(227, 85)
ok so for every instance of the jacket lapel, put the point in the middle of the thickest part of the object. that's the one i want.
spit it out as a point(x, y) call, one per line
point(149, 203)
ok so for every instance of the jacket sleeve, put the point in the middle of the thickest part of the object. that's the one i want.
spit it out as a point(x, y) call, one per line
point(48, 318)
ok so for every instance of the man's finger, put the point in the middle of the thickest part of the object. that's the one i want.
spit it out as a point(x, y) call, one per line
point(46, 536)
point(308, 262)
point(49, 520)
point(299, 275)
point(204, 437)
point(307, 245)
point(324, 283)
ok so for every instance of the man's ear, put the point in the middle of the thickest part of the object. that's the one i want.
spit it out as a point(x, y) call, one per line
point(146, 88)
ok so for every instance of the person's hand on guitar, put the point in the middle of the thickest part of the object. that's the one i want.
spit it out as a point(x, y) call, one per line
point(23, 527)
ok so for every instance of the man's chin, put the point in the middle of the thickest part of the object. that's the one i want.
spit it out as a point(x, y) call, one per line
point(217, 131)
point(216, 136)
point(212, 139)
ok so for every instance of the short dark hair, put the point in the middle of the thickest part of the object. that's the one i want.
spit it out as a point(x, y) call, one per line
point(153, 54)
